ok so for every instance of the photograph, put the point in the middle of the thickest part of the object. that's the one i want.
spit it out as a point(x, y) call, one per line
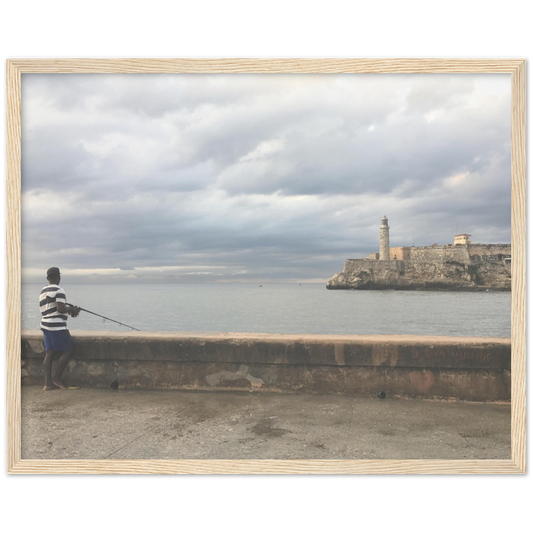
point(247, 266)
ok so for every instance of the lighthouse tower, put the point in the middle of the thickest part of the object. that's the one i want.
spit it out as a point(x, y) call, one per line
point(384, 253)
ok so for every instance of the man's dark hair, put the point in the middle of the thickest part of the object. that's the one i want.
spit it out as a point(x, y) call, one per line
point(52, 273)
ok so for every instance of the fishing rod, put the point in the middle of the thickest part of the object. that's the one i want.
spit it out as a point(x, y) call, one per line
point(104, 317)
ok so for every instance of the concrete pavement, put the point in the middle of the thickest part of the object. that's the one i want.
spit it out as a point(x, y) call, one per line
point(155, 424)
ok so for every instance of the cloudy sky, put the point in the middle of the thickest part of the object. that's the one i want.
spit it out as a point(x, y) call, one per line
point(255, 178)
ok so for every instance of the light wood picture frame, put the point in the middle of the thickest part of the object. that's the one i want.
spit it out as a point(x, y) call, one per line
point(516, 67)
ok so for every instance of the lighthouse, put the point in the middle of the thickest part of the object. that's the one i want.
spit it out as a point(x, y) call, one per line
point(384, 253)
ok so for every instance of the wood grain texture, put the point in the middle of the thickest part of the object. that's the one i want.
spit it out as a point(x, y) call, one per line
point(518, 288)
point(383, 65)
point(516, 67)
point(267, 467)
point(13, 303)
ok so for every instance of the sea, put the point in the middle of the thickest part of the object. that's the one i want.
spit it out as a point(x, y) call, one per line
point(279, 308)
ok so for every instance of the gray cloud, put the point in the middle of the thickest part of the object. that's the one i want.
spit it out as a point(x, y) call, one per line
point(244, 177)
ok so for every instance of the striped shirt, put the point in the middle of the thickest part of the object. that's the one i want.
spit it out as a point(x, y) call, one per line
point(51, 319)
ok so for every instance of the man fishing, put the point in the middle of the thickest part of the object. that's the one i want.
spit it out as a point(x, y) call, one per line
point(55, 311)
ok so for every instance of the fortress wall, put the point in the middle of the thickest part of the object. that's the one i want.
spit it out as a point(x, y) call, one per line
point(466, 267)
point(460, 254)
point(489, 251)
point(440, 253)
point(357, 265)
point(413, 366)
point(401, 253)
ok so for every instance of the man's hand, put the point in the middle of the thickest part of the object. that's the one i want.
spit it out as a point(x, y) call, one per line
point(71, 310)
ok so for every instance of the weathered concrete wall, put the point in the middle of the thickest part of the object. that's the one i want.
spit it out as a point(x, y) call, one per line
point(424, 367)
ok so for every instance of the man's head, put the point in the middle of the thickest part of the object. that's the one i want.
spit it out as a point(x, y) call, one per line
point(53, 275)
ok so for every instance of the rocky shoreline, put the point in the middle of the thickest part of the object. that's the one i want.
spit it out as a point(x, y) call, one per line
point(365, 274)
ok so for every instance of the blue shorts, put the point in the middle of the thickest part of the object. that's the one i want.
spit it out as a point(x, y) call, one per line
point(59, 341)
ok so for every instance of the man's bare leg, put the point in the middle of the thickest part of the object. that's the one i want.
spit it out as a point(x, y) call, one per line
point(61, 365)
point(47, 364)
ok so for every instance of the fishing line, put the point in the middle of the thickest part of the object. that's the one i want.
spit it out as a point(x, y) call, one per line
point(104, 317)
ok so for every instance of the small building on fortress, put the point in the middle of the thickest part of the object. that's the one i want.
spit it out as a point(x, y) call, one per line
point(463, 265)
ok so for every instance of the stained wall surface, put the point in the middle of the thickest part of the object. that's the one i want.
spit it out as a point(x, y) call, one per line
point(403, 366)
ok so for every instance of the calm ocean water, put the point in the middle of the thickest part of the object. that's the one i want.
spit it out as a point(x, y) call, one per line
point(280, 309)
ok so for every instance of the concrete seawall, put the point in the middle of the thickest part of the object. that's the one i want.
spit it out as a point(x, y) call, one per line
point(471, 368)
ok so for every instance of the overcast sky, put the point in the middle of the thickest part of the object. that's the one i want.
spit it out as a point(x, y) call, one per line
point(258, 178)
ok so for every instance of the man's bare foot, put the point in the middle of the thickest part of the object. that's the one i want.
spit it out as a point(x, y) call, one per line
point(59, 384)
point(50, 387)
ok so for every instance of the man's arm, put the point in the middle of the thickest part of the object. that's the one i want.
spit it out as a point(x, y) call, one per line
point(68, 309)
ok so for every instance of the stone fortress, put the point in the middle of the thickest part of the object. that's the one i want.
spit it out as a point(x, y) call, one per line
point(463, 265)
